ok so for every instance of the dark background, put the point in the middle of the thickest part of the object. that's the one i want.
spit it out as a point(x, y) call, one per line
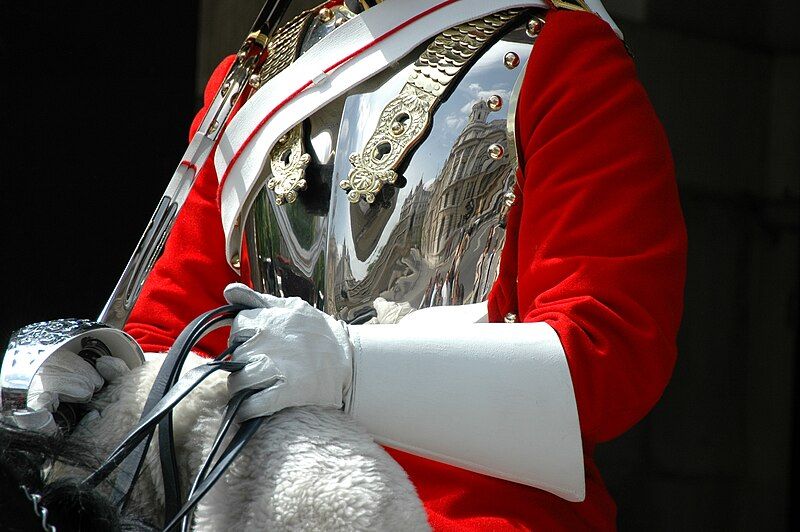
point(95, 105)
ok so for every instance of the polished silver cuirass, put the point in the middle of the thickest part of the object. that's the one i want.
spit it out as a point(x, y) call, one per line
point(434, 236)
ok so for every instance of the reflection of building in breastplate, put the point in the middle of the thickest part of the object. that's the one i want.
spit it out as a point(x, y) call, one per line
point(398, 254)
point(467, 185)
point(441, 250)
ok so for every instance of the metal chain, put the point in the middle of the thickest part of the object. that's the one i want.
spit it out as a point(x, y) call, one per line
point(38, 508)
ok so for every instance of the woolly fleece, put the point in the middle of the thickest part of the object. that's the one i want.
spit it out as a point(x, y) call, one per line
point(306, 469)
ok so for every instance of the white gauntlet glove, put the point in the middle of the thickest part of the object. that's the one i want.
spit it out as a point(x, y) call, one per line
point(66, 377)
point(297, 355)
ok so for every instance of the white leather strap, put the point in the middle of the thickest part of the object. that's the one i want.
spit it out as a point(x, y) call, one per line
point(493, 398)
point(353, 53)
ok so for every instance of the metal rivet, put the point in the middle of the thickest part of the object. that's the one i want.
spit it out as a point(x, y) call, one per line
point(235, 262)
point(510, 198)
point(255, 81)
point(511, 60)
point(213, 127)
point(510, 318)
point(496, 151)
point(325, 14)
point(398, 128)
point(495, 102)
point(534, 27)
point(340, 21)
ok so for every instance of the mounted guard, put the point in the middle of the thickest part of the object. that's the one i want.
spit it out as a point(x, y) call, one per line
point(454, 221)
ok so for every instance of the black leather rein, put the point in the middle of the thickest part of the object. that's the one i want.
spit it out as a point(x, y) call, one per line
point(167, 391)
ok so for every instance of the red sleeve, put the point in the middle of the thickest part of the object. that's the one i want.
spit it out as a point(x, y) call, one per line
point(601, 249)
point(189, 277)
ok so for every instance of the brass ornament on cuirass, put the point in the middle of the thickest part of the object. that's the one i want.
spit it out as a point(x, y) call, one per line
point(288, 158)
point(405, 120)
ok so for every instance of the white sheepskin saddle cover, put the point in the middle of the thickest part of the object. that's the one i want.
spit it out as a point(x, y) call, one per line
point(306, 469)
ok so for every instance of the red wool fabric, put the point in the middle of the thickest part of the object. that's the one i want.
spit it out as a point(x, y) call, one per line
point(596, 248)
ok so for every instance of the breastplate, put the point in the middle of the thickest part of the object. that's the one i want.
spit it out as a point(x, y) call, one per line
point(434, 236)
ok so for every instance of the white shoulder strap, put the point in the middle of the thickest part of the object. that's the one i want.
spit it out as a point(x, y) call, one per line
point(342, 60)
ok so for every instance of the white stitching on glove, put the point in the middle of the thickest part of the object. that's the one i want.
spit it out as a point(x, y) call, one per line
point(297, 355)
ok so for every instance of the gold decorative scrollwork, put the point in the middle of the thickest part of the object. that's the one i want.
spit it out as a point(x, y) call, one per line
point(402, 121)
point(288, 159)
point(406, 119)
point(289, 162)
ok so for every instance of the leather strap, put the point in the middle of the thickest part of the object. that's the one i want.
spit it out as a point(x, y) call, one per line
point(164, 395)
point(245, 433)
point(198, 488)
point(167, 375)
point(225, 424)
point(148, 423)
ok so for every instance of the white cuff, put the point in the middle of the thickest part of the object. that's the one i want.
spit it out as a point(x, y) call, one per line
point(493, 398)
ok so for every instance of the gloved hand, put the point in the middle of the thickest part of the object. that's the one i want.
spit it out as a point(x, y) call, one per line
point(296, 354)
point(67, 377)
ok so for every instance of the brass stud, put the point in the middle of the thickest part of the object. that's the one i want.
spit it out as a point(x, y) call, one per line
point(511, 60)
point(213, 127)
point(534, 27)
point(495, 102)
point(496, 151)
point(255, 81)
point(325, 15)
point(235, 262)
point(340, 21)
point(398, 128)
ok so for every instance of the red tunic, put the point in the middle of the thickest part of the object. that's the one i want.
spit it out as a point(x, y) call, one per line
point(596, 247)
